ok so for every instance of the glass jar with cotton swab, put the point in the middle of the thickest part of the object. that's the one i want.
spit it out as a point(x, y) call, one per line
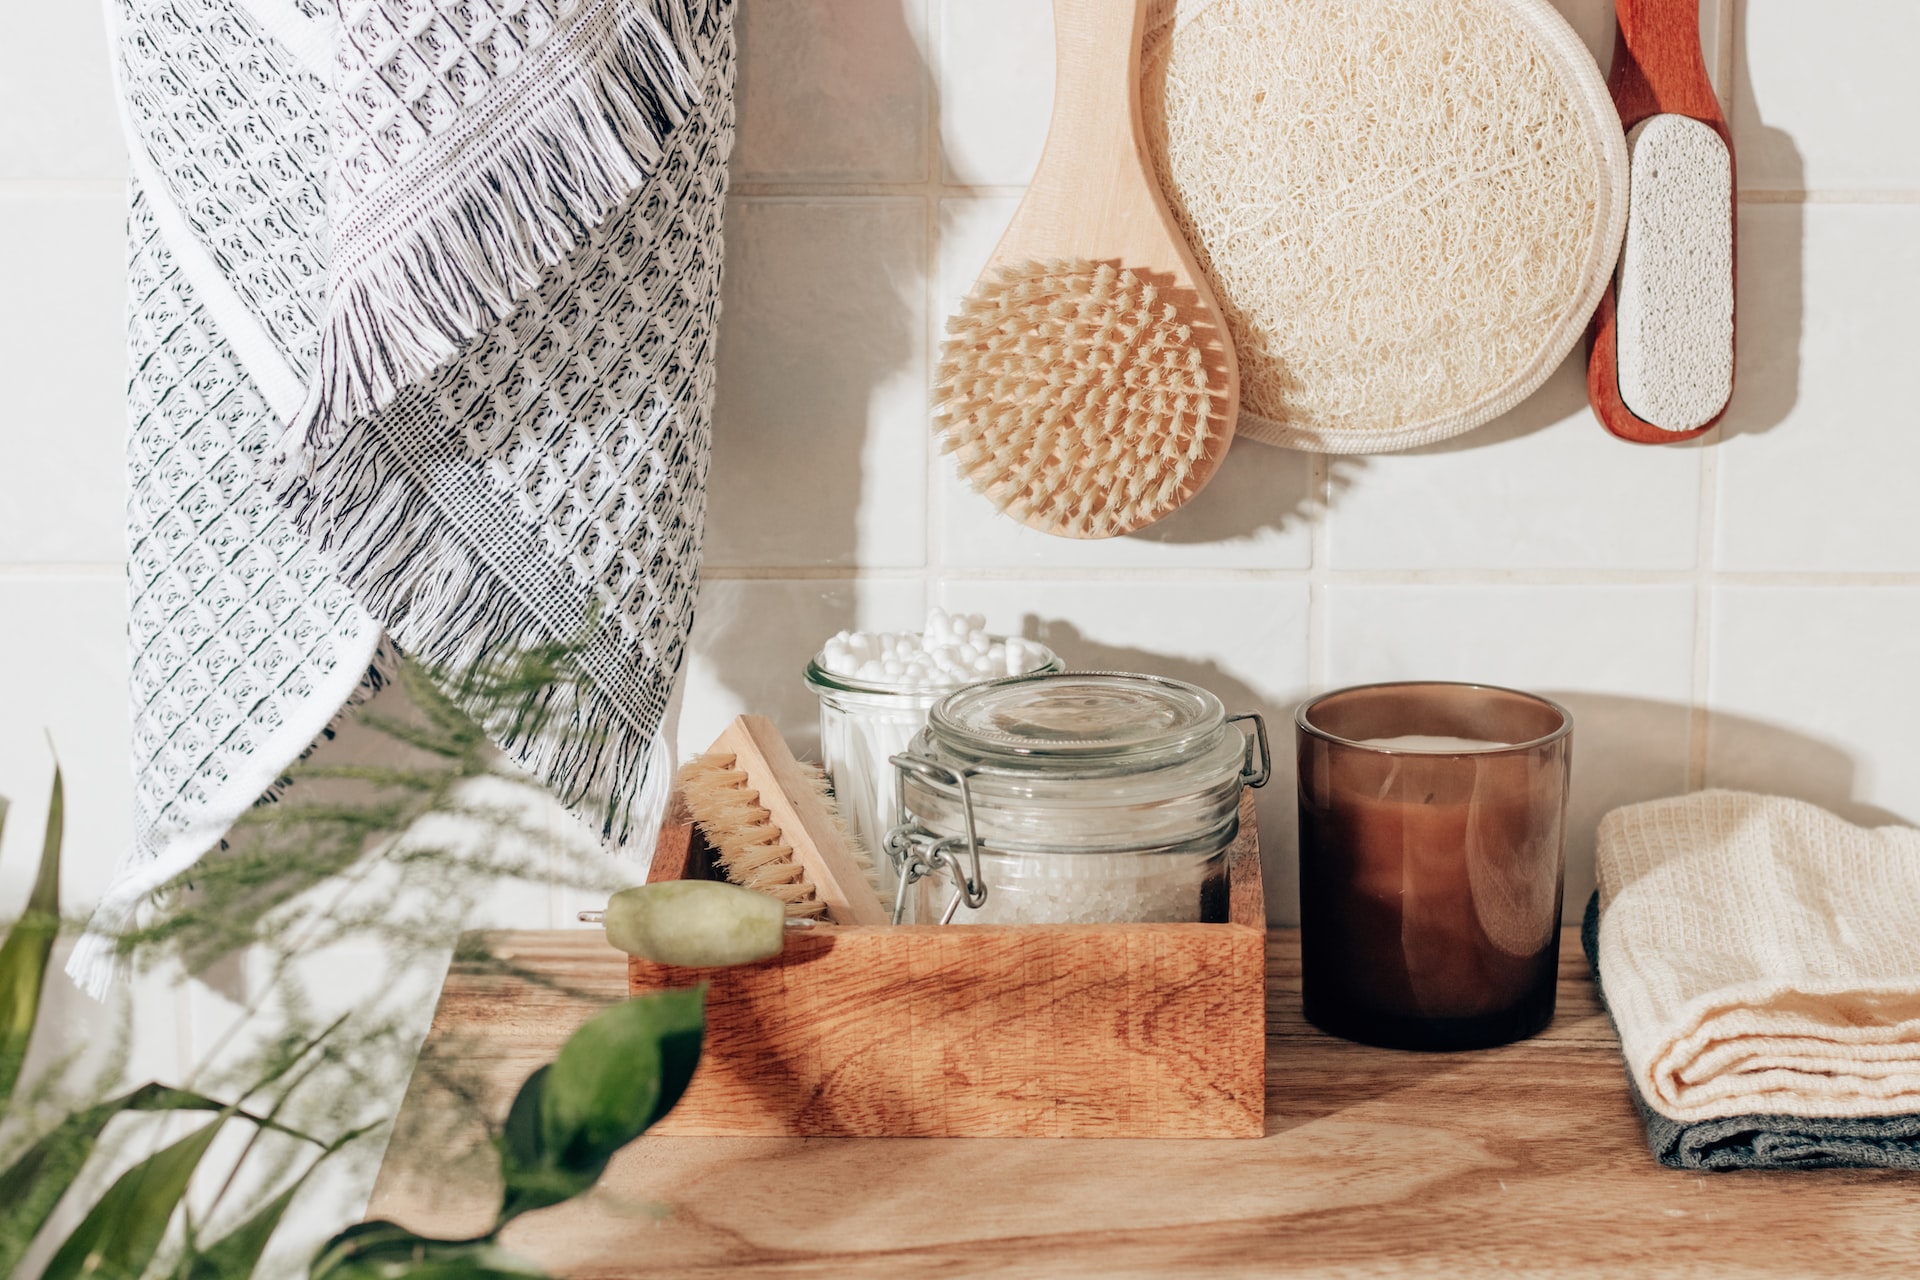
point(875, 690)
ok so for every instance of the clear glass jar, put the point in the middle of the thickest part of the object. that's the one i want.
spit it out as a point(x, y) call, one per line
point(1072, 798)
point(863, 725)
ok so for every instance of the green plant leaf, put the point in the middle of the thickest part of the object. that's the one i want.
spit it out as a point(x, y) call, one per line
point(384, 1251)
point(120, 1234)
point(615, 1076)
point(236, 1255)
point(23, 957)
point(34, 1183)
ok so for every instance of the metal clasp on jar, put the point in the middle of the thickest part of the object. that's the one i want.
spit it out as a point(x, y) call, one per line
point(917, 852)
point(1249, 775)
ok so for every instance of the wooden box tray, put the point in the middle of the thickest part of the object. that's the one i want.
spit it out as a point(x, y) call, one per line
point(1058, 1031)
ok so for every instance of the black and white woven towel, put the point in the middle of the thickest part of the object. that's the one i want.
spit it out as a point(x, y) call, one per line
point(421, 325)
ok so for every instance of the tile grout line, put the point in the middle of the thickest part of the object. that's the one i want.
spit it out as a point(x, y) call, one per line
point(1705, 541)
point(1525, 577)
point(932, 17)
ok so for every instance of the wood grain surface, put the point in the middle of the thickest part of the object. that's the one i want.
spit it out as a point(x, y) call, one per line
point(1658, 69)
point(1525, 1160)
point(804, 821)
point(1027, 1031)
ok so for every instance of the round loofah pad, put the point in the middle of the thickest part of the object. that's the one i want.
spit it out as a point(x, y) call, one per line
point(1074, 397)
point(1408, 209)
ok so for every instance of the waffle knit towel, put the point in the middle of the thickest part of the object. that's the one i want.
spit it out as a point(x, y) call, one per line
point(1764, 1142)
point(422, 306)
point(1762, 957)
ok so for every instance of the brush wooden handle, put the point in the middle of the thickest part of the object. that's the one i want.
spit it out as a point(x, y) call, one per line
point(786, 793)
point(1658, 69)
point(1094, 195)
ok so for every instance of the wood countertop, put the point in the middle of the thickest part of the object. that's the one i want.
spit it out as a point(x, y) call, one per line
point(1527, 1160)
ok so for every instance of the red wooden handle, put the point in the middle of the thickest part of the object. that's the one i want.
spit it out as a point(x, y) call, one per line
point(1658, 69)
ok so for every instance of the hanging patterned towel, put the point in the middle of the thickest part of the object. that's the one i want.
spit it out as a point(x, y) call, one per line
point(421, 316)
point(1761, 957)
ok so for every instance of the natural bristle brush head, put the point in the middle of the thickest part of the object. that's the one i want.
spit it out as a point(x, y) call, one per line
point(753, 851)
point(773, 826)
point(1076, 397)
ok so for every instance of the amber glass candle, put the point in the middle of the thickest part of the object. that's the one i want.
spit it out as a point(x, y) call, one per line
point(1432, 847)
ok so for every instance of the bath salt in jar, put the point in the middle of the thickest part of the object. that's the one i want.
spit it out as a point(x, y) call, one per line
point(1072, 798)
point(875, 689)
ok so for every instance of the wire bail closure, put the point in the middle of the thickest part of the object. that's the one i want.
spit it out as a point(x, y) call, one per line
point(1249, 775)
point(915, 855)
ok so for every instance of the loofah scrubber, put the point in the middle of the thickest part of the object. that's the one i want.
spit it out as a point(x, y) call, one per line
point(1075, 397)
point(1407, 208)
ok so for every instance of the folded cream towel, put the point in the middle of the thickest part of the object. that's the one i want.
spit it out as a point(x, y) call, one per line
point(1762, 955)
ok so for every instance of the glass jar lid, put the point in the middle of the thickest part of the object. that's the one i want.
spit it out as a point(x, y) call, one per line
point(1079, 719)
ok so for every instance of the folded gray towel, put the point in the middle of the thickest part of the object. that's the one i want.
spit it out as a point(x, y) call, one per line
point(1764, 1142)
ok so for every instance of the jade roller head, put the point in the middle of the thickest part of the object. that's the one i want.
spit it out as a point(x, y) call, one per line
point(1087, 385)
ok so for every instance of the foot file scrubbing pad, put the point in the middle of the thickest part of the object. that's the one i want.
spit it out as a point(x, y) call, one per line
point(1661, 367)
point(1673, 321)
point(1407, 208)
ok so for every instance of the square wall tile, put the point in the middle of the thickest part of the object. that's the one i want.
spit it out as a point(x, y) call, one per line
point(1819, 448)
point(996, 88)
point(1541, 487)
point(63, 672)
point(752, 640)
point(1254, 513)
point(63, 360)
point(57, 115)
point(820, 423)
point(1619, 658)
point(1813, 694)
point(1244, 641)
point(1825, 95)
point(831, 91)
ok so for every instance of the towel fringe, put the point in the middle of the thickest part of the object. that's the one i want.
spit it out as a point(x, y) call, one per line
point(407, 305)
point(412, 565)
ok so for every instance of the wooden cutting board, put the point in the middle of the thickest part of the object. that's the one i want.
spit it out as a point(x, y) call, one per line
point(1523, 1161)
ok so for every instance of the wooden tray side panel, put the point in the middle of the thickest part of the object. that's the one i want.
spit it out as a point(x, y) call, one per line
point(1123, 1030)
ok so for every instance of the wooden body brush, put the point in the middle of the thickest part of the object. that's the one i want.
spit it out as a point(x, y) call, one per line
point(1661, 367)
point(773, 827)
point(1087, 385)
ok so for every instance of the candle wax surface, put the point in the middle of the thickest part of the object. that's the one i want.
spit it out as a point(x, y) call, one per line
point(1433, 742)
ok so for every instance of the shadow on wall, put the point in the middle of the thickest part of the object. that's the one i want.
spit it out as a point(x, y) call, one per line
point(1758, 755)
point(1257, 488)
point(1279, 837)
point(1769, 297)
point(821, 318)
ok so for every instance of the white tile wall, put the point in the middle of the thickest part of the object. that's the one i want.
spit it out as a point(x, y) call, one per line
point(1762, 586)
point(819, 449)
point(1539, 488)
point(831, 91)
point(1820, 93)
point(1817, 462)
point(1813, 694)
point(62, 362)
point(57, 116)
